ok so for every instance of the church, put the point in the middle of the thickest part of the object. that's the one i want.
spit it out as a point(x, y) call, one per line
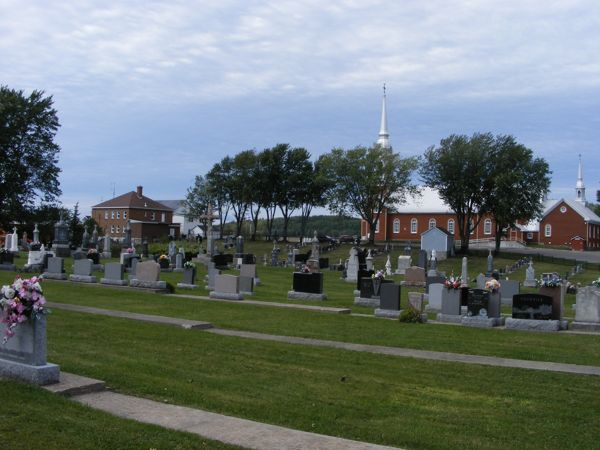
point(564, 222)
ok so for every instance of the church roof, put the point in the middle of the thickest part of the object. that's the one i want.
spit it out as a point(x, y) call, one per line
point(429, 201)
point(586, 213)
point(133, 200)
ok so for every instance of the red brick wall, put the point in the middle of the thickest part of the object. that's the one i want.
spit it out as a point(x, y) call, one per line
point(132, 214)
point(564, 226)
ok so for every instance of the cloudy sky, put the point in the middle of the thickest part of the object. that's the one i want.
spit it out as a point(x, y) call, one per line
point(155, 92)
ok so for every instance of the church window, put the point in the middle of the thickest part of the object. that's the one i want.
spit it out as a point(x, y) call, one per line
point(413, 226)
point(548, 230)
point(451, 226)
point(432, 223)
point(487, 226)
point(396, 226)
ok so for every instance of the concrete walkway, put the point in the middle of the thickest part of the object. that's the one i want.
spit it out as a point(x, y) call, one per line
point(314, 308)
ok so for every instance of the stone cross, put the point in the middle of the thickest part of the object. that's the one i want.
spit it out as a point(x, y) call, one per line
point(464, 273)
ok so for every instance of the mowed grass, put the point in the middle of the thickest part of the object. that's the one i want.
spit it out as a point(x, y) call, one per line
point(31, 418)
point(374, 398)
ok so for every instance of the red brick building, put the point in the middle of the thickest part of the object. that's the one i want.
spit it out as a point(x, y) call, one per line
point(568, 221)
point(147, 218)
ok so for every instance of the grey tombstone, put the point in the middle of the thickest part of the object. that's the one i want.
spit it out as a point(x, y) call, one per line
point(24, 355)
point(147, 276)
point(432, 272)
point(36, 235)
point(490, 264)
point(127, 239)
point(432, 280)
point(106, 247)
point(178, 262)
point(415, 301)
point(404, 262)
point(451, 302)
point(435, 297)
point(415, 276)
point(85, 240)
point(481, 279)
point(249, 270)
point(369, 260)
point(134, 263)
point(464, 275)
point(56, 269)
point(587, 310)
point(422, 259)
point(189, 279)
point(82, 271)
point(508, 288)
point(530, 280)
point(227, 287)
point(14, 242)
point(210, 277)
point(246, 285)
point(388, 267)
point(7, 242)
point(353, 266)
point(94, 239)
point(389, 301)
point(113, 274)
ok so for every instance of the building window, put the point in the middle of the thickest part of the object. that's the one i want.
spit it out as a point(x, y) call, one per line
point(377, 227)
point(413, 226)
point(153, 215)
point(112, 229)
point(451, 226)
point(471, 227)
point(432, 223)
point(548, 230)
point(118, 214)
point(118, 229)
point(396, 226)
point(112, 214)
point(106, 215)
point(529, 236)
point(124, 215)
point(163, 217)
point(487, 226)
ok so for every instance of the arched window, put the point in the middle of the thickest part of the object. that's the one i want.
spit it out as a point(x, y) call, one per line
point(106, 214)
point(124, 215)
point(112, 229)
point(487, 226)
point(432, 223)
point(413, 226)
point(377, 227)
point(471, 227)
point(451, 226)
point(548, 230)
point(396, 226)
point(118, 214)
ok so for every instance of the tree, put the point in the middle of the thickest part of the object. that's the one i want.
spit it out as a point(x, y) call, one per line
point(238, 186)
point(460, 170)
point(28, 153)
point(197, 202)
point(519, 182)
point(75, 226)
point(216, 179)
point(367, 180)
point(311, 194)
point(270, 161)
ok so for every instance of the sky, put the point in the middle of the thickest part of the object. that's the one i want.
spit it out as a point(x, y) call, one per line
point(153, 93)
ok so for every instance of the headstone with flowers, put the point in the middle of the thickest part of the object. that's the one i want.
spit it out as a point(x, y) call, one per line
point(23, 326)
point(389, 301)
point(6, 260)
point(307, 285)
point(370, 290)
point(483, 306)
point(587, 310)
point(189, 276)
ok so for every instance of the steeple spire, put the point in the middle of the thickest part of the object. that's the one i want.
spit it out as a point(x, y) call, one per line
point(384, 136)
point(580, 187)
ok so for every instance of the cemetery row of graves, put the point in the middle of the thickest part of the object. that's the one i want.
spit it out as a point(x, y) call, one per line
point(377, 401)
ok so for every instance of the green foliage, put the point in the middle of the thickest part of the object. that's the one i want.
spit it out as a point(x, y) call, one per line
point(410, 315)
point(364, 181)
point(28, 153)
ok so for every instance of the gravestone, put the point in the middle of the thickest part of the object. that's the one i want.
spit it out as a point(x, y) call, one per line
point(422, 259)
point(239, 246)
point(530, 280)
point(353, 266)
point(369, 261)
point(82, 272)
point(113, 274)
point(464, 274)
point(178, 262)
point(23, 356)
point(36, 235)
point(106, 247)
point(246, 285)
point(451, 302)
point(85, 240)
point(415, 277)
point(432, 272)
point(127, 238)
point(404, 262)
point(366, 287)
point(60, 246)
point(388, 267)
point(220, 261)
point(307, 286)
point(532, 312)
point(249, 270)
point(148, 276)
point(432, 280)
point(189, 279)
point(558, 296)
point(134, 263)
point(211, 275)
point(490, 264)
point(14, 242)
point(56, 269)
point(435, 297)
point(483, 309)
point(481, 280)
point(94, 239)
point(415, 301)
point(587, 309)
point(227, 287)
point(508, 289)
point(389, 301)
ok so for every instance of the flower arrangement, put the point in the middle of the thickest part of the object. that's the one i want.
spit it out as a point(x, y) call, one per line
point(305, 269)
point(492, 285)
point(189, 265)
point(596, 283)
point(3, 250)
point(130, 250)
point(21, 301)
point(453, 282)
point(550, 282)
point(92, 251)
point(163, 257)
point(379, 275)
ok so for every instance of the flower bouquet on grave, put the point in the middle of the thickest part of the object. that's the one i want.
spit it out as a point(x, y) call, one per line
point(596, 283)
point(305, 269)
point(453, 282)
point(492, 285)
point(19, 302)
point(164, 261)
point(130, 250)
point(377, 278)
point(189, 265)
point(550, 282)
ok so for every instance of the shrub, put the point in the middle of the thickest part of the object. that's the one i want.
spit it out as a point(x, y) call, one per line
point(411, 315)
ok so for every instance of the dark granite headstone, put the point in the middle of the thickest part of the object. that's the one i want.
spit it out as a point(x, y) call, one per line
point(220, 261)
point(366, 287)
point(532, 306)
point(248, 258)
point(324, 263)
point(189, 276)
point(478, 301)
point(363, 274)
point(422, 259)
point(389, 296)
point(301, 258)
point(464, 296)
point(311, 283)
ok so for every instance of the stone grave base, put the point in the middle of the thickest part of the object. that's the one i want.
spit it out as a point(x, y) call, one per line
point(83, 278)
point(369, 302)
point(534, 325)
point(506, 301)
point(105, 255)
point(530, 283)
point(113, 282)
point(225, 295)
point(187, 286)
point(40, 375)
point(585, 326)
point(256, 281)
point(356, 293)
point(246, 293)
point(97, 267)
point(178, 270)
point(389, 313)
point(164, 270)
point(10, 267)
point(350, 280)
point(431, 309)
point(400, 272)
point(134, 282)
point(31, 268)
point(449, 318)
point(54, 276)
point(417, 284)
point(295, 295)
point(482, 322)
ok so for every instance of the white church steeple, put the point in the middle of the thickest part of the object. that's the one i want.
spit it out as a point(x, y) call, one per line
point(384, 136)
point(580, 187)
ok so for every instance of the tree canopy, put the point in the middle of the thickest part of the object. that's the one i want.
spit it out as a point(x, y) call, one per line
point(367, 180)
point(28, 153)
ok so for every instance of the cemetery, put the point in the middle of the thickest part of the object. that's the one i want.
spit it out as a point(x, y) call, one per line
point(455, 299)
